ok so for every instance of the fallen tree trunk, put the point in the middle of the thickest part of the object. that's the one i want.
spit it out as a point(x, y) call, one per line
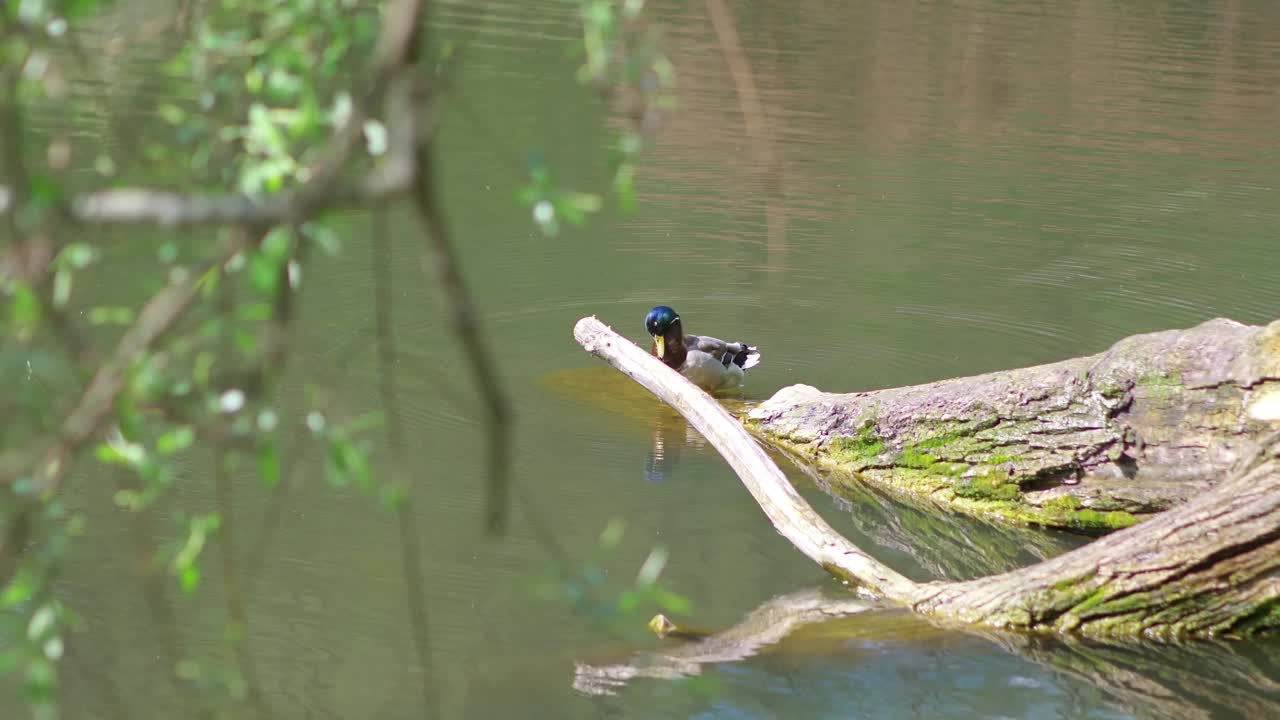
point(1208, 567)
point(1094, 443)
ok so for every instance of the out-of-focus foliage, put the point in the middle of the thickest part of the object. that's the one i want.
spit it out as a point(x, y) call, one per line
point(621, 58)
point(277, 79)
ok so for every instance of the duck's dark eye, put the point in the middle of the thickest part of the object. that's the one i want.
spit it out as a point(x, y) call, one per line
point(659, 319)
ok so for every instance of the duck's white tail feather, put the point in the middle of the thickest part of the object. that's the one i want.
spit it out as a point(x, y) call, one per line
point(752, 358)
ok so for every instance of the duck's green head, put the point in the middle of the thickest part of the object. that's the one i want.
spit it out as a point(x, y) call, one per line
point(663, 322)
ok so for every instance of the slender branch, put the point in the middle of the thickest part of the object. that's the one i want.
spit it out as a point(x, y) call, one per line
point(785, 508)
point(135, 206)
point(165, 626)
point(394, 58)
point(394, 55)
point(754, 119)
point(299, 442)
point(31, 256)
point(755, 122)
point(12, 165)
point(97, 401)
point(232, 591)
point(233, 595)
point(410, 549)
point(440, 258)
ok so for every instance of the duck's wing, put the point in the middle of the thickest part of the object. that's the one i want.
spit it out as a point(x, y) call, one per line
point(739, 353)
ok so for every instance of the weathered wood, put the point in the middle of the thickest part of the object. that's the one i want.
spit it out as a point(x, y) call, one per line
point(1209, 567)
point(1093, 443)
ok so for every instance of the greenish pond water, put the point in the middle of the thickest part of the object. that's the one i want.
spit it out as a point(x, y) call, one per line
point(936, 189)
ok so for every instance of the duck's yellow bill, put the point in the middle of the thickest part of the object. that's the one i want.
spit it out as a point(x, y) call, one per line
point(662, 350)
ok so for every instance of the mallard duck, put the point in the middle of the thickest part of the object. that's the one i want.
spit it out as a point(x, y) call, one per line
point(710, 363)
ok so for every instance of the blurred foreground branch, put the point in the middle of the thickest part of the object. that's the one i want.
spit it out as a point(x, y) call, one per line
point(392, 88)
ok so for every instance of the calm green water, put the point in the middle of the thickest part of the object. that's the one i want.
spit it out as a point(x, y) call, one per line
point(937, 189)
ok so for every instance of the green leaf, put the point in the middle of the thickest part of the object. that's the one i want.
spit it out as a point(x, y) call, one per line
point(284, 85)
point(671, 602)
point(347, 463)
point(394, 495)
point(127, 499)
point(264, 273)
point(10, 660)
point(324, 236)
point(176, 440)
point(612, 534)
point(246, 341)
point(277, 244)
point(167, 253)
point(269, 464)
point(20, 589)
point(624, 186)
point(61, 287)
point(186, 561)
point(376, 137)
point(652, 567)
point(77, 256)
point(75, 9)
point(254, 312)
point(189, 578)
point(42, 621)
point(110, 316)
point(208, 282)
point(24, 311)
point(172, 114)
point(42, 678)
point(108, 454)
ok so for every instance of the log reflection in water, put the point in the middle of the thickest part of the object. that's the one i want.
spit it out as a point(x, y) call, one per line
point(945, 544)
point(762, 627)
point(1202, 680)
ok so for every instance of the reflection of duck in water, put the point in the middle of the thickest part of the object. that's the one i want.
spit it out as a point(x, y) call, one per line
point(710, 363)
point(671, 435)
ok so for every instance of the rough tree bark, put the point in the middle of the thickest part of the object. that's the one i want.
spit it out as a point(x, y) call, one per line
point(1094, 443)
point(1209, 567)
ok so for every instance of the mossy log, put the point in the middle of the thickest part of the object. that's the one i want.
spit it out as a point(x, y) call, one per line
point(1209, 567)
point(1093, 444)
